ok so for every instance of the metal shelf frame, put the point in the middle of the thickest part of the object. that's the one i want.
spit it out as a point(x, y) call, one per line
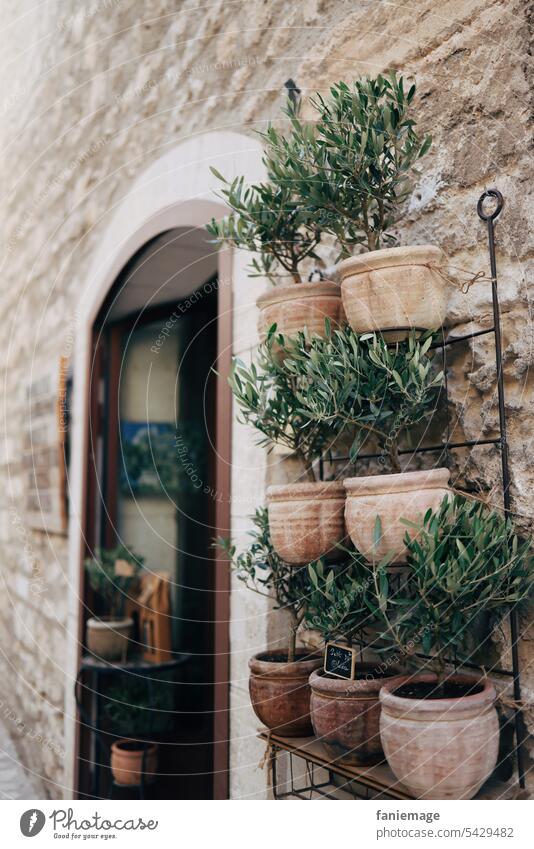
point(499, 442)
point(323, 778)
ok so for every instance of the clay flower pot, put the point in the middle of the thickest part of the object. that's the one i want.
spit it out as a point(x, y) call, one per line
point(407, 495)
point(108, 636)
point(280, 692)
point(395, 289)
point(441, 748)
point(133, 761)
point(306, 520)
point(292, 308)
point(345, 715)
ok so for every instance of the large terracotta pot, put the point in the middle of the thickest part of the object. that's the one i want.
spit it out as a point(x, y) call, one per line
point(345, 715)
point(108, 636)
point(407, 495)
point(395, 289)
point(280, 692)
point(292, 308)
point(133, 761)
point(306, 520)
point(442, 748)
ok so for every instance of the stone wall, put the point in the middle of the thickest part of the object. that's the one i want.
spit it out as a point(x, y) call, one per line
point(92, 93)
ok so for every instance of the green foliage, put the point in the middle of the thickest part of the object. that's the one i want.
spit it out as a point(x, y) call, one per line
point(305, 392)
point(337, 605)
point(268, 218)
point(267, 394)
point(346, 173)
point(262, 570)
point(134, 707)
point(465, 564)
point(358, 159)
point(112, 588)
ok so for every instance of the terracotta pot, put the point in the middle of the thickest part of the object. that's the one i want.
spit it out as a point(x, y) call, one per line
point(306, 520)
point(292, 308)
point(345, 715)
point(127, 764)
point(441, 748)
point(108, 636)
point(396, 289)
point(280, 692)
point(407, 495)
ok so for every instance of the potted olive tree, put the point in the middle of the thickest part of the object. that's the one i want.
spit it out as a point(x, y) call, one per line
point(350, 386)
point(380, 391)
point(345, 711)
point(355, 175)
point(278, 681)
point(269, 220)
point(112, 573)
point(440, 730)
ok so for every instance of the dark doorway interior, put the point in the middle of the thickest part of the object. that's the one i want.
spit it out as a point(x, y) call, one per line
point(153, 486)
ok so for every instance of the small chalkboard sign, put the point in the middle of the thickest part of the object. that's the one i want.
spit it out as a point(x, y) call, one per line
point(340, 660)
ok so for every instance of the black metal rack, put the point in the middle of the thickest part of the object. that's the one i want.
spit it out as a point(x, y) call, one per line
point(309, 774)
point(323, 778)
point(500, 442)
point(89, 681)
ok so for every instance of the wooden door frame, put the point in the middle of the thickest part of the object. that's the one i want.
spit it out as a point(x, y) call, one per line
point(223, 522)
point(222, 486)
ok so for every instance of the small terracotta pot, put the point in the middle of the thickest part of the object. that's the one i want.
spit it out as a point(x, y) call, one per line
point(280, 692)
point(441, 748)
point(407, 495)
point(108, 636)
point(127, 764)
point(345, 715)
point(395, 289)
point(292, 308)
point(306, 520)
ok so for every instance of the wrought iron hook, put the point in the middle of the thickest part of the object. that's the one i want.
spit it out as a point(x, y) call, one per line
point(496, 195)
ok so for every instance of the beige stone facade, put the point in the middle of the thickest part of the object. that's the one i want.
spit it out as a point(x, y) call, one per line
point(91, 96)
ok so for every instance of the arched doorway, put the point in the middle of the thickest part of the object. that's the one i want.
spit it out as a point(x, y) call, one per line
point(153, 482)
point(150, 214)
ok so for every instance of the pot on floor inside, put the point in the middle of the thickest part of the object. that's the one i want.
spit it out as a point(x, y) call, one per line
point(133, 762)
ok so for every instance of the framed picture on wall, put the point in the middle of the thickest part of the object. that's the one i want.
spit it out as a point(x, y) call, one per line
point(46, 445)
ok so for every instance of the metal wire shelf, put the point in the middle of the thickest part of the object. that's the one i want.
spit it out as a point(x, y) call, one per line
point(300, 768)
point(500, 442)
point(310, 775)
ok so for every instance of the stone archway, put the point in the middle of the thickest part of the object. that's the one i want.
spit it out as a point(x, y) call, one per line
point(176, 191)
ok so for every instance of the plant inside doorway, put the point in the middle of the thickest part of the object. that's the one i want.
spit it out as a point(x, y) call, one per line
point(113, 573)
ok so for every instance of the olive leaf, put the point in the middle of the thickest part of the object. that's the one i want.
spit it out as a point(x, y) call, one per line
point(355, 167)
point(306, 392)
point(467, 568)
point(261, 569)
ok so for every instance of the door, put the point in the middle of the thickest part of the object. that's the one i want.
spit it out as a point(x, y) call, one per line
point(159, 483)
